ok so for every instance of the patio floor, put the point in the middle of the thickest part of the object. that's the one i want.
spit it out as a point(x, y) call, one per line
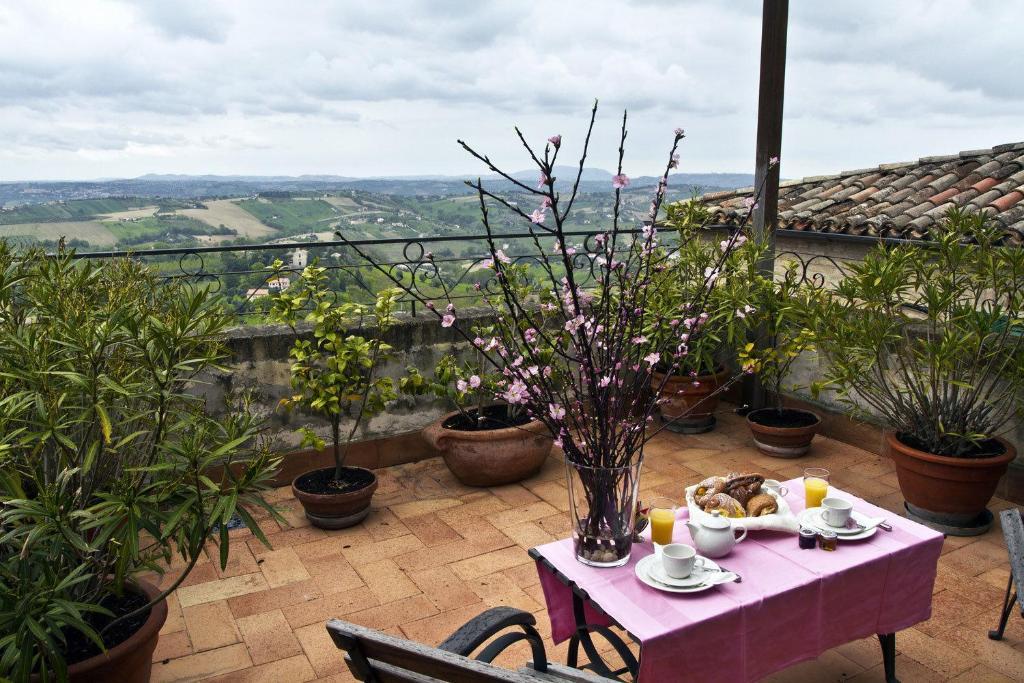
point(434, 553)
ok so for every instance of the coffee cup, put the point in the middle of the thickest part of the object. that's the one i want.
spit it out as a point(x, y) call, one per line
point(776, 487)
point(679, 560)
point(836, 511)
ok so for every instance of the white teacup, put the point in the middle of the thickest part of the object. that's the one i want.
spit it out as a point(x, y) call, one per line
point(836, 511)
point(776, 487)
point(679, 559)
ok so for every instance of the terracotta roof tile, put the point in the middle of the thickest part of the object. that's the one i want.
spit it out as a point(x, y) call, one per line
point(902, 199)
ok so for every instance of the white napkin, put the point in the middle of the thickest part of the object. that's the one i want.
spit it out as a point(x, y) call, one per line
point(782, 520)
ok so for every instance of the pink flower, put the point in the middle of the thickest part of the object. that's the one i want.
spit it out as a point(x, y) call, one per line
point(478, 342)
point(430, 305)
point(429, 256)
point(538, 216)
point(653, 358)
point(516, 392)
point(556, 411)
point(555, 140)
point(750, 203)
point(491, 345)
point(448, 320)
point(545, 203)
point(600, 238)
point(680, 133)
point(604, 381)
point(711, 274)
point(502, 256)
point(544, 180)
point(530, 335)
point(474, 381)
point(773, 161)
point(450, 308)
point(620, 181)
point(675, 161)
point(462, 386)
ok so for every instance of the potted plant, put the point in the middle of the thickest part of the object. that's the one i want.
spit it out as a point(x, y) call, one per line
point(929, 338)
point(483, 442)
point(109, 464)
point(782, 313)
point(578, 359)
point(690, 392)
point(334, 374)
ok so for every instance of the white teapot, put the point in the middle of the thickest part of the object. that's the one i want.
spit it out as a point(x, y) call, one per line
point(714, 535)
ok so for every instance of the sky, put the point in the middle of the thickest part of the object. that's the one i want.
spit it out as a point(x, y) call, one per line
point(117, 88)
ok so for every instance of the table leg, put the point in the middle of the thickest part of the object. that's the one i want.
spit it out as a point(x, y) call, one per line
point(583, 638)
point(888, 643)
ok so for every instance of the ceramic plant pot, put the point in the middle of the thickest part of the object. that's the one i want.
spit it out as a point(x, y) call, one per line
point(785, 433)
point(490, 457)
point(335, 510)
point(688, 401)
point(949, 493)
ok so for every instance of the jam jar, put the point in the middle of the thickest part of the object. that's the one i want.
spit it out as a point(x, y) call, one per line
point(808, 538)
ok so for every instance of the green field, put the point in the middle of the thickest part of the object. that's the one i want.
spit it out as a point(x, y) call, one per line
point(169, 228)
point(293, 216)
point(95, 233)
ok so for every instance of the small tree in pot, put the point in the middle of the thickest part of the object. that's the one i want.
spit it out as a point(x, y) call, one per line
point(783, 312)
point(334, 374)
point(930, 337)
point(689, 393)
point(109, 464)
point(484, 443)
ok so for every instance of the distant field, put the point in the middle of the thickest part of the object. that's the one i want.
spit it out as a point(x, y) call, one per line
point(291, 216)
point(61, 212)
point(227, 212)
point(94, 232)
point(132, 213)
point(342, 202)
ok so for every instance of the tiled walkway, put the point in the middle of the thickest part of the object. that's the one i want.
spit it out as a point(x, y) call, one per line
point(434, 553)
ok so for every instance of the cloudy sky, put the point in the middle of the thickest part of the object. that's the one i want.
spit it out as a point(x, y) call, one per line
point(109, 88)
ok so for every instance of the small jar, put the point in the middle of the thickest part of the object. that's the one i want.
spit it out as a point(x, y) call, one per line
point(828, 540)
point(808, 538)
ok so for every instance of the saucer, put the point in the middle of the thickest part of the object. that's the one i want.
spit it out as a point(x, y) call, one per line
point(656, 570)
point(811, 517)
point(642, 570)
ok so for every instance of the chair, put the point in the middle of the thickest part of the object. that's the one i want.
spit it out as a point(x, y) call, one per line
point(1013, 532)
point(380, 658)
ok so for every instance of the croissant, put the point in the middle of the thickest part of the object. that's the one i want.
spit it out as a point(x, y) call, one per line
point(744, 487)
point(762, 504)
point(708, 488)
point(726, 504)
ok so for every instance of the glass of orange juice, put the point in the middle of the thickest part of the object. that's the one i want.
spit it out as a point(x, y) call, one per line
point(815, 486)
point(662, 515)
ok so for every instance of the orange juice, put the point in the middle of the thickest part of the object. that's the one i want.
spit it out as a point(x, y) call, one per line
point(662, 521)
point(815, 490)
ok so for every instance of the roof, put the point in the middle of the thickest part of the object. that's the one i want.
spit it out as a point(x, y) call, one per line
point(902, 200)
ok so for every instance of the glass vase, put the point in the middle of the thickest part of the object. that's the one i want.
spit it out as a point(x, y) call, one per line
point(602, 509)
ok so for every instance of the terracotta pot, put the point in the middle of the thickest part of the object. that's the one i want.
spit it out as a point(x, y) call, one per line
point(779, 441)
point(688, 402)
point(336, 510)
point(951, 491)
point(131, 660)
point(491, 457)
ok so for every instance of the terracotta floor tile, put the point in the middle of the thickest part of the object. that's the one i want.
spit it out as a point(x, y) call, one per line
point(491, 562)
point(202, 665)
point(332, 574)
point(175, 622)
point(268, 637)
point(382, 550)
point(323, 656)
point(382, 524)
point(934, 653)
point(323, 547)
point(240, 560)
point(210, 626)
point(320, 610)
point(283, 539)
point(434, 629)
point(477, 505)
point(556, 525)
point(831, 666)
point(982, 674)
point(498, 589)
point(294, 515)
point(949, 609)
point(221, 589)
point(443, 588)
point(973, 641)
point(528, 534)
point(274, 598)
point(431, 530)
point(524, 576)
point(387, 580)
point(294, 669)
point(394, 613)
point(976, 558)
point(553, 493)
point(907, 671)
point(172, 646)
point(281, 567)
point(446, 553)
point(418, 508)
point(515, 495)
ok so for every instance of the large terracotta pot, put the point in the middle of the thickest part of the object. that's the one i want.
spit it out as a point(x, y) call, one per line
point(949, 491)
point(336, 510)
point(688, 405)
point(129, 661)
point(491, 457)
point(774, 436)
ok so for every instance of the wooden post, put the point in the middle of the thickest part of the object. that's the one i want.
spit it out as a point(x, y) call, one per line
point(774, 22)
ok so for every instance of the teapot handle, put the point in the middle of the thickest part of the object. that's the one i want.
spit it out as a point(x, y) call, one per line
point(741, 528)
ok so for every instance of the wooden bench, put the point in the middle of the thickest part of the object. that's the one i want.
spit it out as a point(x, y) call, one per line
point(380, 658)
point(1013, 532)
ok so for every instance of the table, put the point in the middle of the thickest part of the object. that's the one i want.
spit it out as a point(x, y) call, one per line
point(792, 604)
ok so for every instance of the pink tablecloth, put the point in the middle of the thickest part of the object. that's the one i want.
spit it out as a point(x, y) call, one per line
point(792, 604)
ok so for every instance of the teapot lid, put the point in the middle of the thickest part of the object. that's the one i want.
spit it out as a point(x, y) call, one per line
point(716, 521)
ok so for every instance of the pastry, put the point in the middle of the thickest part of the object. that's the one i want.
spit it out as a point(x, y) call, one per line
point(708, 488)
point(762, 504)
point(725, 504)
point(743, 487)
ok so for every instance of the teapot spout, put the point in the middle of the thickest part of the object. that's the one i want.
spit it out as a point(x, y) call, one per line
point(692, 528)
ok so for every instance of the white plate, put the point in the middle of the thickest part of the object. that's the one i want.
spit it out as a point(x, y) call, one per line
point(811, 517)
point(642, 570)
point(656, 570)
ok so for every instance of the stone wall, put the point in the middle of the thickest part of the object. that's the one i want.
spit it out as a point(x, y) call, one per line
point(259, 362)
